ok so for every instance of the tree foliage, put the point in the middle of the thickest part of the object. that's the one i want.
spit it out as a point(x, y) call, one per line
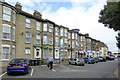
point(118, 39)
point(110, 17)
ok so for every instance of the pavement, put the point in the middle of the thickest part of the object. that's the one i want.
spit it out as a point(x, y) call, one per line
point(97, 70)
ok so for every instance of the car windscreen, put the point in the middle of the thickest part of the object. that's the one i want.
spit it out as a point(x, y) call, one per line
point(17, 61)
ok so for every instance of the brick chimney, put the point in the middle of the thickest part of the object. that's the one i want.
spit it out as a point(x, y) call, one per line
point(18, 6)
point(87, 35)
point(37, 14)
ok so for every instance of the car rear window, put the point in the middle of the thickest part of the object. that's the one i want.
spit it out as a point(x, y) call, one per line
point(17, 61)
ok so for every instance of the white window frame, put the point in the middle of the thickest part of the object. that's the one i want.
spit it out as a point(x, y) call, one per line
point(13, 54)
point(50, 40)
point(72, 35)
point(51, 28)
point(65, 32)
point(73, 43)
point(38, 25)
point(65, 42)
point(57, 54)
point(45, 27)
point(28, 22)
point(13, 34)
point(5, 25)
point(50, 53)
point(8, 52)
point(38, 38)
point(45, 39)
point(44, 57)
point(61, 31)
point(56, 41)
point(14, 17)
point(61, 42)
point(69, 35)
point(56, 30)
point(28, 36)
point(6, 14)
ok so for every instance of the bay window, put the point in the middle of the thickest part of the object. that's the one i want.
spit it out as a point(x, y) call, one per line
point(6, 31)
point(14, 17)
point(5, 52)
point(6, 14)
point(13, 34)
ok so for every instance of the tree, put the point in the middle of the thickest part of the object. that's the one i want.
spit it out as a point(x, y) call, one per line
point(110, 17)
point(118, 39)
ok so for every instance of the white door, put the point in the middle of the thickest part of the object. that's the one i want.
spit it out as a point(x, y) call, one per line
point(37, 52)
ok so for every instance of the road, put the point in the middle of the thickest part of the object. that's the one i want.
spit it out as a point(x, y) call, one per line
point(97, 70)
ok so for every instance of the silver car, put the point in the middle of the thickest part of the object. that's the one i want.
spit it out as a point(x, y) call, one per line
point(77, 61)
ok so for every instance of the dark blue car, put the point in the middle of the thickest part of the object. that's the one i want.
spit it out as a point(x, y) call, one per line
point(89, 60)
point(18, 65)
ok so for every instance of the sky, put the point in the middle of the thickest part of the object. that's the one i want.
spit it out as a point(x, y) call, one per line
point(80, 14)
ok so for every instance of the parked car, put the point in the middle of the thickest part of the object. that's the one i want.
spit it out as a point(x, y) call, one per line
point(104, 58)
point(18, 65)
point(110, 58)
point(96, 59)
point(89, 60)
point(77, 61)
point(100, 59)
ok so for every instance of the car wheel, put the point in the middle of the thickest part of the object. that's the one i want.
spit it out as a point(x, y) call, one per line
point(69, 63)
point(83, 64)
point(8, 73)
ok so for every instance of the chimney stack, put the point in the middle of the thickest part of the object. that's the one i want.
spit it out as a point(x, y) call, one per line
point(18, 6)
point(37, 14)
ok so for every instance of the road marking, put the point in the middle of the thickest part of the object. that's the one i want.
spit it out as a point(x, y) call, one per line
point(53, 70)
point(32, 71)
point(3, 74)
point(65, 67)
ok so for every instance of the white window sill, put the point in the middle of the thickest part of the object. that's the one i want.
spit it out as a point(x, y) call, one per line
point(6, 39)
point(5, 59)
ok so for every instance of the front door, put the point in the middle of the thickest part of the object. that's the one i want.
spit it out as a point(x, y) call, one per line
point(37, 52)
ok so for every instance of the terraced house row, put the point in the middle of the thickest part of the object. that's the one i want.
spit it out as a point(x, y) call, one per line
point(23, 35)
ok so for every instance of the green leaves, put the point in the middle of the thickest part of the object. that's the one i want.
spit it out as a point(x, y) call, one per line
point(110, 17)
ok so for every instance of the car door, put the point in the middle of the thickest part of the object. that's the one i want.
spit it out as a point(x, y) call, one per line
point(85, 59)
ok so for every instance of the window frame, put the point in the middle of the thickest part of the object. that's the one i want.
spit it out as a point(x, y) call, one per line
point(9, 32)
point(27, 37)
point(6, 14)
point(38, 38)
point(38, 26)
point(28, 21)
point(8, 46)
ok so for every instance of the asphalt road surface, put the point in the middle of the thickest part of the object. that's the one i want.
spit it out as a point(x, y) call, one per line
point(97, 70)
